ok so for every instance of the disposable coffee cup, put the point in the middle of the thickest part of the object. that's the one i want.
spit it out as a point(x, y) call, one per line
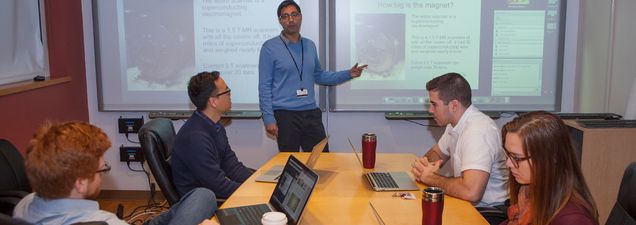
point(274, 218)
point(432, 206)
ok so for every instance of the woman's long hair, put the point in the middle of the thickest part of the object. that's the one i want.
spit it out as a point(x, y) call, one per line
point(556, 174)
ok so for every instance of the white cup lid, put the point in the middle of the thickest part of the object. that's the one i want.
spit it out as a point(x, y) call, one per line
point(274, 218)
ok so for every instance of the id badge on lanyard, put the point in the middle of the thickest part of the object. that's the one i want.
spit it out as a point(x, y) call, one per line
point(302, 92)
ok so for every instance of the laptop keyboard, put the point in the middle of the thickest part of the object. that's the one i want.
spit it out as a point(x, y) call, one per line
point(252, 214)
point(383, 180)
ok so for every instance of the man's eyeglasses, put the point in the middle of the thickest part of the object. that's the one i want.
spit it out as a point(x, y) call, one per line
point(224, 92)
point(286, 16)
point(515, 160)
point(105, 170)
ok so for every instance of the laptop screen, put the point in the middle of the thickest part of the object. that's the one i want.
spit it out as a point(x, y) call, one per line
point(315, 152)
point(293, 189)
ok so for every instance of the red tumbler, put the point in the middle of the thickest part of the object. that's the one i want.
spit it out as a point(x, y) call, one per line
point(369, 142)
point(432, 206)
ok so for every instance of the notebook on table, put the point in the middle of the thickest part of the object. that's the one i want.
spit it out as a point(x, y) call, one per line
point(272, 175)
point(387, 181)
point(290, 196)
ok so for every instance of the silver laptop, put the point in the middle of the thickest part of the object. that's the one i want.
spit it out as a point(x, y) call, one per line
point(272, 175)
point(387, 181)
point(290, 196)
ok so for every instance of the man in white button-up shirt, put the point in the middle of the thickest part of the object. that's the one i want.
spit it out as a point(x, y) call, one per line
point(471, 142)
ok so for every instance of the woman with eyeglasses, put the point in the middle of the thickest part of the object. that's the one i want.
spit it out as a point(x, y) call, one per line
point(548, 185)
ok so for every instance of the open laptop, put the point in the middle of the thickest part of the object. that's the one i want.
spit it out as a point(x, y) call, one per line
point(290, 196)
point(272, 175)
point(387, 181)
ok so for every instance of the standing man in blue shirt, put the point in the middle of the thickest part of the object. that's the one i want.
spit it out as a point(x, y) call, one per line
point(288, 69)
point(202, 156)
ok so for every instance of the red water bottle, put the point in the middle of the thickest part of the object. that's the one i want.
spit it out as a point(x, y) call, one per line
point(369, 143)
point(432, 206)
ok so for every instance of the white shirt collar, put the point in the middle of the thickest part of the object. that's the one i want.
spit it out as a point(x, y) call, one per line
point(462, 120)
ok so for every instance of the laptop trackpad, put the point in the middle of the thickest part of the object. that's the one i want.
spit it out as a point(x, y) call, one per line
point(404, 181)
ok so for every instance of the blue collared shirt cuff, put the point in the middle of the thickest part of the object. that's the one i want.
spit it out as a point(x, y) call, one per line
point(269, 119)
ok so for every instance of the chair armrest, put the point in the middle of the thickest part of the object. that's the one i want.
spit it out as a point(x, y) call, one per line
point(91, 223)
point(13, 193)
point(8, 199)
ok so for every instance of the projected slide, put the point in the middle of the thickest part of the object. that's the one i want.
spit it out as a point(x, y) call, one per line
point(152, 40)
point(165, 51)
point(517, 53)
point(399, 40)
point(229, 38)
point(507, 50)
point(149, 49)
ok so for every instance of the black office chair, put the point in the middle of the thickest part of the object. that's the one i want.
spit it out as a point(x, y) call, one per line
point(624, 211)
point(156, 138)
point(14, 184)
point(8, 220)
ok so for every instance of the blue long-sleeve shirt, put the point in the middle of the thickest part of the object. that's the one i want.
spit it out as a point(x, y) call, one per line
point(279, 76)
point(202, 157)
point(36, 210)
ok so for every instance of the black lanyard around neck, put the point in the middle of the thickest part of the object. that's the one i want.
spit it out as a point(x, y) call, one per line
point(302, 56)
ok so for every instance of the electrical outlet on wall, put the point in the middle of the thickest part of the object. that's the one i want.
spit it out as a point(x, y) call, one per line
point(129, 125)
point(130, 154)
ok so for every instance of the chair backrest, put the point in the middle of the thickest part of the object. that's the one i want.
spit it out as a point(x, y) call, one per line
point(12, 172)
point(156, 138)
point(624, 211)
point(14, 184)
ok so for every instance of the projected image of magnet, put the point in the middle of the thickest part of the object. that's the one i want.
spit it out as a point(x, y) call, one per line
point(159, 47)
point(379, 42)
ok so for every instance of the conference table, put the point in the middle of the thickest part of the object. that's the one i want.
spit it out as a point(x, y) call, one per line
point(343, 196)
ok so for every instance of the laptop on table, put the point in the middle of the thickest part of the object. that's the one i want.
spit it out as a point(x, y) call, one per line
point(272, 175)
point(290, 196)
point(387, 181)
